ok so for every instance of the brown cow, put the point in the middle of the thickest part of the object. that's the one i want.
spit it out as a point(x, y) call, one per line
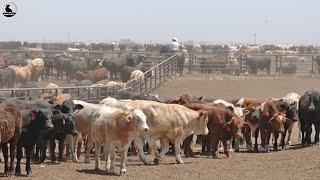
point(223, 124)
point(2, 63)
point(250, 102)
point(270, 119)
point(10, 130)
point(94, 76)
point(185, 99)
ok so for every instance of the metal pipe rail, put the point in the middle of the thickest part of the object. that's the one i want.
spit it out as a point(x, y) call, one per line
point(154, 77)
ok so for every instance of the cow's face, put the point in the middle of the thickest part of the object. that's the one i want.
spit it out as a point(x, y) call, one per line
point(277, 122)
point(68, 122)
point(234, 127)
point(43, 118)
point(292, 112)
point(141, 120)
point(201, 123)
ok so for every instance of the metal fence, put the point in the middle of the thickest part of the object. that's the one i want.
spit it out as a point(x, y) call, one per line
point(77, 92)
point(154, 77)
point(151, 79)
point(236, 64)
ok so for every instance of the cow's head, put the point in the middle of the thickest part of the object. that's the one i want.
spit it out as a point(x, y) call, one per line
point(292, 112)
point(42, 118)
point(140, 118)
point(68, 124)
point(277, 121)
point(234, 127)
point(201, 123)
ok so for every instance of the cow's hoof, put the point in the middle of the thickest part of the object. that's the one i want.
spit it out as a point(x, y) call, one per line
point(179, 161)
point(96, 169)
point(29, 172)
point(289, 143)
point(123, 171)
point(75, 160)
point(86, 161)
point(11, 172)
point(111, 173)
point(17, 174)
point(156, 161)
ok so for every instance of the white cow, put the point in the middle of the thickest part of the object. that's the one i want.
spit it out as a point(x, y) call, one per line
point(116, 128)
point(168, 122)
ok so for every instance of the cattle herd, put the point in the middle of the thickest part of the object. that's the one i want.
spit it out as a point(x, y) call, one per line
point(116, 126)
point(80, 70)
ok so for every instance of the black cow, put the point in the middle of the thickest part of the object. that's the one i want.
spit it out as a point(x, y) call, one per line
point(36, 117)
point(309, 114)
point(126, 72)
point(290, 69)
point(134, 60)
point(114, 66)
point(7, 78)
point(73, 67)
point(256, 64)
point(49, 64)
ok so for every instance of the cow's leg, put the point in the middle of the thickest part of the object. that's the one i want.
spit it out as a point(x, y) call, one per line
point(5, 156)
point(123, 158)
point(187, 146)
point(112, 156)
point(61, 150)
point(152, 145)
point(42, 148)
point(12, 155)
point(97, 146)
point(256, 135)
point(226, 147)
point(177, 143)
point(139, 144)
point(317, 129)
point(308, 134)
point(236, 144)
point(247, 136)
point(28, 158)
point(107, 155)
point(73, 147)
point(78, 148)
point(89, 148)
point(214, 145)
point(164, 149)
point(288, 142)
point(19, 157)
point(283, 138)
point(275, 144)
point(52, 150)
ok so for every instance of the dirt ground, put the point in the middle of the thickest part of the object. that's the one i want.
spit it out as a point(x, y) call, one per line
point(292, 163)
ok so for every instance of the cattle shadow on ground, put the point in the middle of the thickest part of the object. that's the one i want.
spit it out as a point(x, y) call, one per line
point(2, 175)
point(97, 172)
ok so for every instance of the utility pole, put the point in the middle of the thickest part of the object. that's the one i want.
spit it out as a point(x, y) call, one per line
point(68, 37)
point(255, 38)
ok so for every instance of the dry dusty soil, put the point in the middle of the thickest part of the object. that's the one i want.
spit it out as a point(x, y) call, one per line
point(292, 163)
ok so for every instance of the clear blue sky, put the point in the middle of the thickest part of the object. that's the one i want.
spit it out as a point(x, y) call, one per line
point(216, 21)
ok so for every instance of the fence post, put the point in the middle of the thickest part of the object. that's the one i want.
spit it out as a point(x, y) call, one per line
point(88, 93)
point(155, 77)
point(312, 65)
point(140, 87)
point(280, 70)
point(98, 92)
point(276, 64)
